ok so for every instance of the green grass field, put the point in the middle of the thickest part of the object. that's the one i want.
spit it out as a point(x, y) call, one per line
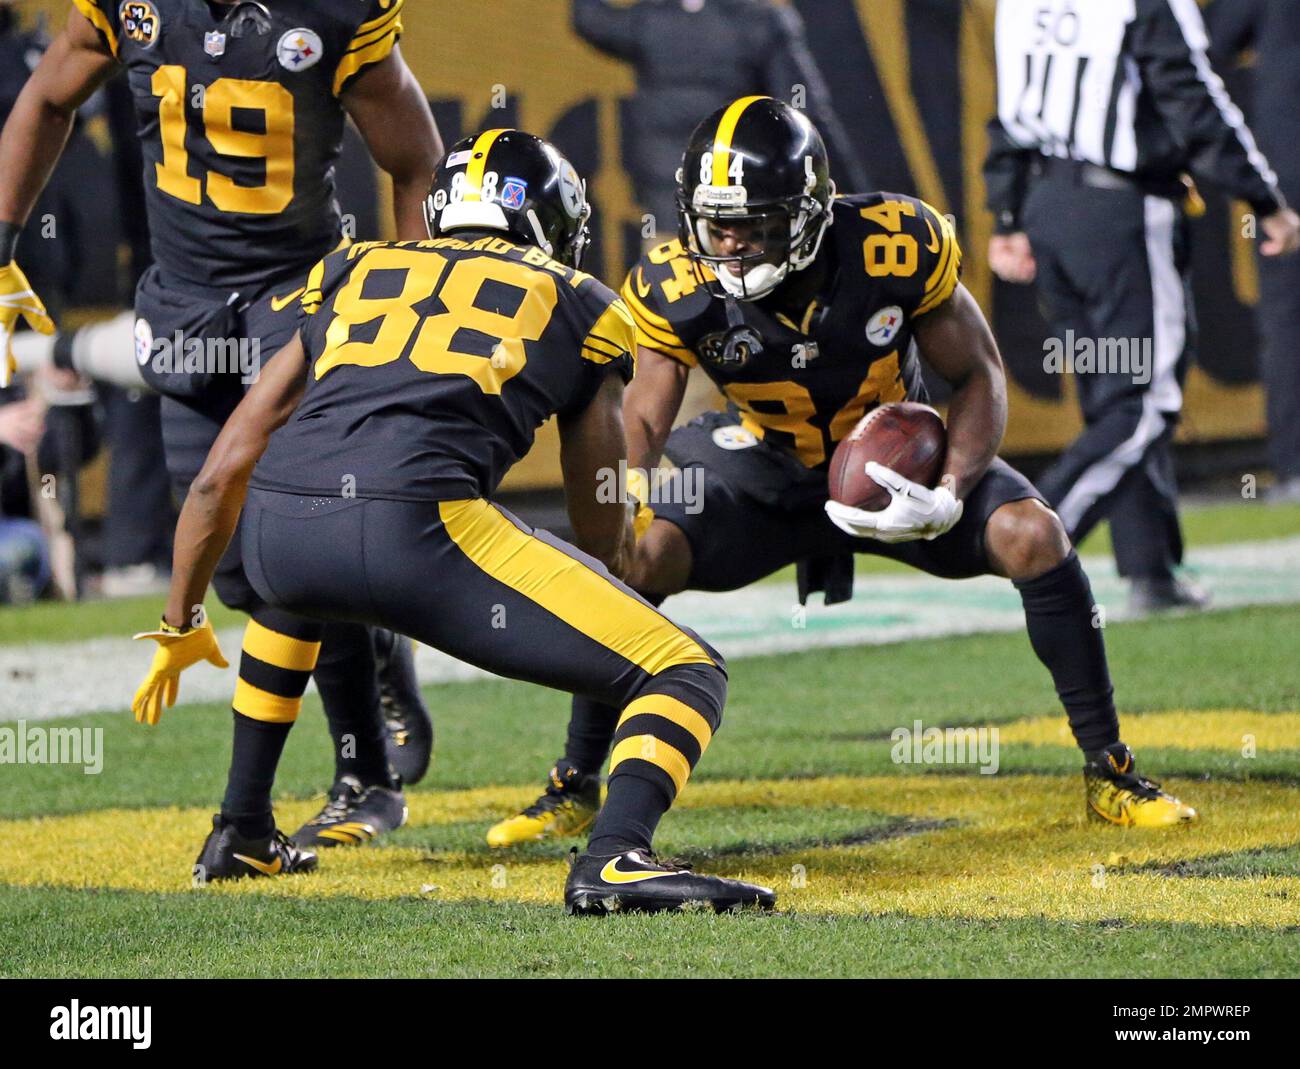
point(882, 869)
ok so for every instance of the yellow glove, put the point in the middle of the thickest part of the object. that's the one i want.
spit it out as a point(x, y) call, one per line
point(638, 492)
point(17, 298)
point(177, 650)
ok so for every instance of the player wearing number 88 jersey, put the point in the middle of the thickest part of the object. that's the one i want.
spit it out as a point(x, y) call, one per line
point(420, 374)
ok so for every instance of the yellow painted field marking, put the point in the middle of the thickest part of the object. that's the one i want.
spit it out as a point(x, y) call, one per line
point(1177, 729)
point(1020, 848)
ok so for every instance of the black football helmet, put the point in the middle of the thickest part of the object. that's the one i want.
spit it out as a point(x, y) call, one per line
point(512, 181)
point(755, 169)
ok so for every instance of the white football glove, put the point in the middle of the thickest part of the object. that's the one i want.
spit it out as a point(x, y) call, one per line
point(913, 511)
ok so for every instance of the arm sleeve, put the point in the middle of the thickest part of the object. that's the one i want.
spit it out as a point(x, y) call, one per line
point(372, 41)
point(608, 28)
point(1006, 173)
point(1169, 43)
point(103, 16)
point(653, 330)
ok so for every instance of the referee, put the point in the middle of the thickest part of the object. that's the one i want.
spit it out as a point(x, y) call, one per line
point(1103, 107)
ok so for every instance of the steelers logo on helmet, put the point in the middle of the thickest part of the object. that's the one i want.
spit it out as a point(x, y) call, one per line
point(140, 22)
point(571, 192)
point(753, 196)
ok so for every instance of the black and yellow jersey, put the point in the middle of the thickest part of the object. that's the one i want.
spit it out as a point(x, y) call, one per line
point(817, 360)
point(434, 362)
point(240, 123)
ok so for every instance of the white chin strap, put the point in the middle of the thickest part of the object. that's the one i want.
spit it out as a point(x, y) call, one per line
point(757, 282)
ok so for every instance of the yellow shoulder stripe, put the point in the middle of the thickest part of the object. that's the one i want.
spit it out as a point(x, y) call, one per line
point(312, 296)
point(368, 48)
point(612, 335)
point(96, 17)
point(394, 7)
point(653, 331)
point(943, 281)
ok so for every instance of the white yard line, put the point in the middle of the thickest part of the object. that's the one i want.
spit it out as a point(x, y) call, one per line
point(66, 679)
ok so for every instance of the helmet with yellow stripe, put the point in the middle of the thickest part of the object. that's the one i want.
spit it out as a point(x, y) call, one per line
point(754, 194)
point(516, 182)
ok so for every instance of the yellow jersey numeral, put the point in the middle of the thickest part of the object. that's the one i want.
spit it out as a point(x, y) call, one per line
point(894, 253)
point(433, 349)
point(220, 99)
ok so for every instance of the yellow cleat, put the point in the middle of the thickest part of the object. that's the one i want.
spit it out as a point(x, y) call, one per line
point(566, 809)
point(1118, 795)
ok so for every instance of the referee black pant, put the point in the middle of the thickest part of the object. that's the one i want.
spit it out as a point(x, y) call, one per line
point(1113, 281)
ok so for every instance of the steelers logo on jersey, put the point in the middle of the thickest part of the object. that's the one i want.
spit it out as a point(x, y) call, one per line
point(140, 22)
point(299, 49)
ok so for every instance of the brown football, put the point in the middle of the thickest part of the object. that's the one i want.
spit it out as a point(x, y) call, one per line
point(905, 436)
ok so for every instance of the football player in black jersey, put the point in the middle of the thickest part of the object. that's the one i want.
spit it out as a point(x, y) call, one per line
point(804, 326)
point(241, 109)
point(420, 374)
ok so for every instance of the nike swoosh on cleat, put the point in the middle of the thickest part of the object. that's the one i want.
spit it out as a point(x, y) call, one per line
point(265, 868)
point(611, 873)
point(279, 304)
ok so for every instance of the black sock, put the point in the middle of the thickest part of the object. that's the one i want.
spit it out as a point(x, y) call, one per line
point(345, 677)
point(630, 815)
point(591, 731)
point(254, 756)
point(1060, 616)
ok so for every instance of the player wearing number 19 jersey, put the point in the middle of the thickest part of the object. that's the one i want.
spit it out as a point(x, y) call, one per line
point(240, 109)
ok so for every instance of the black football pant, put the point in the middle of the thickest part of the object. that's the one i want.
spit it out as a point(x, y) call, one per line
point(468, 578)
point(196, 402)
point(1113, 274)
point(1279, 363)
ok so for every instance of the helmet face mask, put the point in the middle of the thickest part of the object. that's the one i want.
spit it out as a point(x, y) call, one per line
point(514, 182)
point(749, 254)
point(753, 197)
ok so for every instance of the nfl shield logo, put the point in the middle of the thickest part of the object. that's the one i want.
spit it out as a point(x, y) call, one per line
point(214, 43)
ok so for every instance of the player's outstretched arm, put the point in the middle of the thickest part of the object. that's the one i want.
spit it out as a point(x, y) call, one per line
point(650, 404)
point(76, 64)
point(390, 110)
point(956, 341)
point(591, 448)
point(216, 497)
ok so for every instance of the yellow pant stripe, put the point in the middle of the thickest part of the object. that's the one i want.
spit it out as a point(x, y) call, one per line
point(478, 163)
point(281, 651)
point(658, 753)
point(670, 708)
point(722, 139)
point(258, 704)
point(567, 588)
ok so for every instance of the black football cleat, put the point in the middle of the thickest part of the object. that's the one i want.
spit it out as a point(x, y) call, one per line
point(353, 815)
point(227, 855)
point(636, 881)
point(409, 743)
